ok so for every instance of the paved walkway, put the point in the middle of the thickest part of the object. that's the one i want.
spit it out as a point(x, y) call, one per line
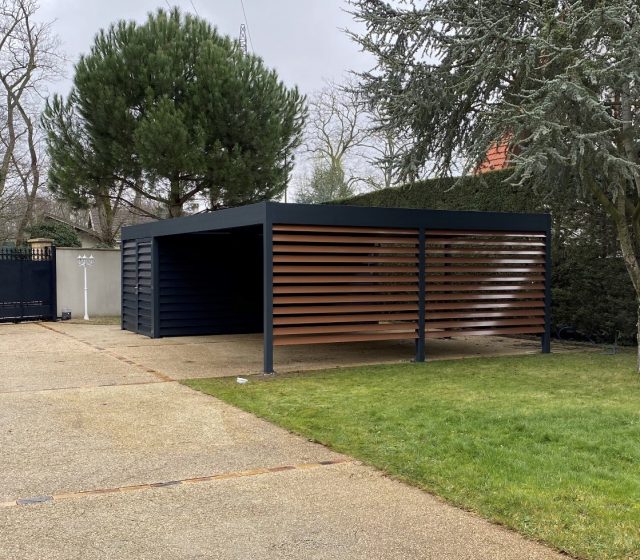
point(103, 455)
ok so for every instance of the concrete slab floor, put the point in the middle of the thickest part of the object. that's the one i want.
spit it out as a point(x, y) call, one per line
point(230, 355)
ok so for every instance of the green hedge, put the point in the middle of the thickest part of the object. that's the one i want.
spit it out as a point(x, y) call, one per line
point(63, 235)
point(592, 294)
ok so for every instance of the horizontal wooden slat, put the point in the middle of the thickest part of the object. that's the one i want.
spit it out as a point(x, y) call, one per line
point(330, 338)
point(486, 305)
point(524, 321)
point(486, 332)
point(517, 295)
point(343, 279)
point(492, 233)
point(344, 229)
point(347, 309)
point(481, 288)
point(307, 269)
point(358, 318)
point(482, 260)
point(472, 251)
point(349, 239)
point(344, 289)
point(466, 314)
point(484, 269)
point(341, 249)
point(324, 329)
point(483, 242)
point(432, 278)
point(373, 298)
point(343, 258)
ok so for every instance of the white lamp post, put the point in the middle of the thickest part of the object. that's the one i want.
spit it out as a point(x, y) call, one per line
point(85, 262)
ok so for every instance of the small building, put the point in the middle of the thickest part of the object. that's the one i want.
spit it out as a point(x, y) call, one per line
point(88, 238)
point(313, 274)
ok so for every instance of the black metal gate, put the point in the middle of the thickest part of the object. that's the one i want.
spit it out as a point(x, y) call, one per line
point(27, 284)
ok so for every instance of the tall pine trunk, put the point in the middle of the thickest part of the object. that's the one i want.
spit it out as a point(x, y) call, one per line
point(175, 199)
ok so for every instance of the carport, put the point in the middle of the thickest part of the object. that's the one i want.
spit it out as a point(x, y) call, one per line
point(312, 274)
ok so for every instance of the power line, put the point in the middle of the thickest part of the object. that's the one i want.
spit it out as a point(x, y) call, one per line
point(194, 8)
point(244, 13)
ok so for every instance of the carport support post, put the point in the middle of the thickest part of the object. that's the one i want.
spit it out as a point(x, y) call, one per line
point(546, 337)
point(267, 285)
point(420, 342)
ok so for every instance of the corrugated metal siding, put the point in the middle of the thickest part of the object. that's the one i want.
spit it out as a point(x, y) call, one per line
point(210, 284)
point(344, 284)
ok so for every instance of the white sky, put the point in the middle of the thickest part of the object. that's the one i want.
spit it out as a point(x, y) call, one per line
point(302, 39)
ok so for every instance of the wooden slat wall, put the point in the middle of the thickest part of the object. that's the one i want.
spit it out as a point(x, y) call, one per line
point(344, 284)
point(484, 283)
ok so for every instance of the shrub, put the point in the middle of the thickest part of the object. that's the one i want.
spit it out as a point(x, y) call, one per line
point(63, 235)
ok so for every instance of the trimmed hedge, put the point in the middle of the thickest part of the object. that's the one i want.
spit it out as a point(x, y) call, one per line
point(63, 235)
point(593, 297)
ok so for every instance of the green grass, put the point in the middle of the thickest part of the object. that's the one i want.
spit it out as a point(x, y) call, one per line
point(548, 445)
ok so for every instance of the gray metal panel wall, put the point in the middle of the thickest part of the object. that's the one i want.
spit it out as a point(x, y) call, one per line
point(144, 287)
point(136, 286)
point(129, 282)
point(210, 284)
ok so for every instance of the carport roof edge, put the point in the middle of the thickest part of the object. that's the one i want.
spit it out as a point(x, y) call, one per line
point(264, 213)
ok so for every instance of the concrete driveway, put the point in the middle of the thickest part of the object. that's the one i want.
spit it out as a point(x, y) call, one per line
point(104, 455)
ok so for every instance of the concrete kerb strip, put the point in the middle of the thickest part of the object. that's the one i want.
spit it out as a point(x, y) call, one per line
point(36, 500)
point(158, 374)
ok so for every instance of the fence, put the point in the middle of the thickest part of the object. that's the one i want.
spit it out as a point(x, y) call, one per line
point(27, 286)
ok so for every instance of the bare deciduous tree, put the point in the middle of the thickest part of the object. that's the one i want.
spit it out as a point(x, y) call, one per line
point(345, 140)
point(29, 59)
point(337, 124)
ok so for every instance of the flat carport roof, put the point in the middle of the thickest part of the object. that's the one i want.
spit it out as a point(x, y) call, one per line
point(265, 213)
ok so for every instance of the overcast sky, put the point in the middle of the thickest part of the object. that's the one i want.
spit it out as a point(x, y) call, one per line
point(302, 39)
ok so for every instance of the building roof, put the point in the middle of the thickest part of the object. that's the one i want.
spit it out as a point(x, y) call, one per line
point(76, 227)
point(497, 158)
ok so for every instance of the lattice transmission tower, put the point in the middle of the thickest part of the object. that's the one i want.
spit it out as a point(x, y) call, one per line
point(243, 38)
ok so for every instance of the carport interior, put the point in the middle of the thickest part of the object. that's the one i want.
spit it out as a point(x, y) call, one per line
point(210, 282)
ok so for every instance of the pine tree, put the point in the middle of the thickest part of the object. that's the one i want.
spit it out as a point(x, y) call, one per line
point(559, 79)
point(172, 111)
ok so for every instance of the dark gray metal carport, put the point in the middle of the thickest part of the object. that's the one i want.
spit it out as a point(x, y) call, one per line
point(309, 274)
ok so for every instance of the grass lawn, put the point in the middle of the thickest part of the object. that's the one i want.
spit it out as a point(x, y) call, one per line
point(546, 444)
